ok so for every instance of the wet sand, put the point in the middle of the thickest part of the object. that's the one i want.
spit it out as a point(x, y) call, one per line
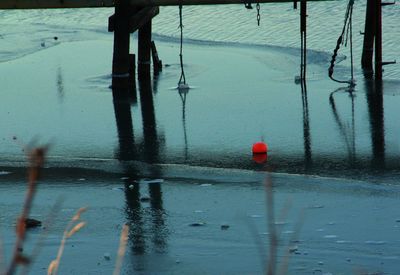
point(100, 152)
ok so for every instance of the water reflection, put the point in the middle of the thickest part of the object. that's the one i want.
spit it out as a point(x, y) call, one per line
point(151, 144)
point(60, 85)
point(182, 94)
point(146, 216)
point(126, 141)
point(306, 126)
point(346, 157)
point(144, 210)
point(374, 95)
point(345, 120)
point(347, 133)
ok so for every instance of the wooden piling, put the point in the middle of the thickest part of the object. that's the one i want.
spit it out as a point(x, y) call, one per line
point(120, 65)
point(144, 48)
point(378, 40)
point(369, 36)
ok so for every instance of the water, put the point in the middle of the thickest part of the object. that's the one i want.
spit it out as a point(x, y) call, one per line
point(334, 155)
point(340, 143)
point(229, 24)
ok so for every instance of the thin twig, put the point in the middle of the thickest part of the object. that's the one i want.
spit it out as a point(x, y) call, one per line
point(36, 159)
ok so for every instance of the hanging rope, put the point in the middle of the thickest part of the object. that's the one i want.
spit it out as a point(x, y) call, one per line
point(348, 30)
point(182, 79)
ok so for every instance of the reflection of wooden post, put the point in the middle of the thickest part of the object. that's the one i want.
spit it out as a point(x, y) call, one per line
point(369, 35)
point(144, 48)
point(132, 77)
point(374, 95)
point(378, 40)
point(120, 68)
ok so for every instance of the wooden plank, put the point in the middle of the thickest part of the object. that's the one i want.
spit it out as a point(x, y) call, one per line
point(48, 4)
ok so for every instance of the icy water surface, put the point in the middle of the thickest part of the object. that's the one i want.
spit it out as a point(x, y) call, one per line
point(209, 221)
point(24, 31)
point(177, 167)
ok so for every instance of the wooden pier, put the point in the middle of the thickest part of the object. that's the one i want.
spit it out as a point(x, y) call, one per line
point(136, 15)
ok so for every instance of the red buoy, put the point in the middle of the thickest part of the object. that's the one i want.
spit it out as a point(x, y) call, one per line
point(260, 148)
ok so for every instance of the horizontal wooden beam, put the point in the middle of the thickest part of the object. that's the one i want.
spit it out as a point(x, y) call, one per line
point(207, 2)
point(52, 4)
point(136, 20)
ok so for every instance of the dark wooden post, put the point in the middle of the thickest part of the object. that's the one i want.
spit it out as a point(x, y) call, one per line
point(120, 66)
point(144, 49)
point(157, 63)
point(378, 40)
point(369, 36)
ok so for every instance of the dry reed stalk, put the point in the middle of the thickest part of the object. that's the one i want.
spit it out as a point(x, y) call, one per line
point(274, 234)
point(122, 249)
point(1, 257)
point(283, 269)
point(36, 162)
point(70, 230)
point(47, 226)
point(273, 239)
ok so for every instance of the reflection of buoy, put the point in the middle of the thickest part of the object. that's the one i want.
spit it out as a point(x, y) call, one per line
point(260, 148)
point(260, 158)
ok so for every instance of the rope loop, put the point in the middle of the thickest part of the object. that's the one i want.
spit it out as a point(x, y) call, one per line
point(345, 36)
